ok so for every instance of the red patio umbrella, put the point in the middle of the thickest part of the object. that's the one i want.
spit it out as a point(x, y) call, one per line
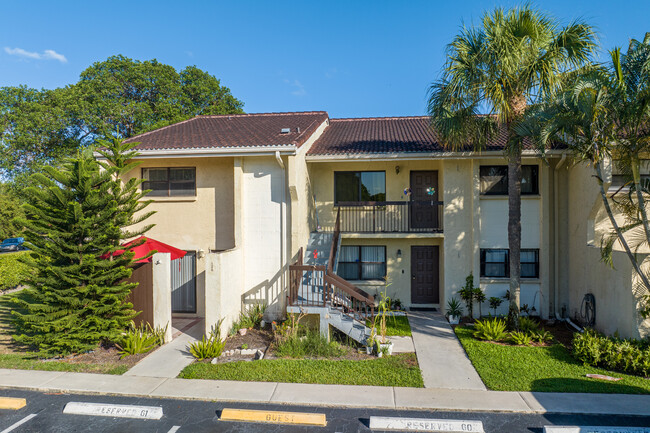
point(147, 246)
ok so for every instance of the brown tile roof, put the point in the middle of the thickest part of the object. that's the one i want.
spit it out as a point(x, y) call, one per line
point(387, 135)
point(236, 130)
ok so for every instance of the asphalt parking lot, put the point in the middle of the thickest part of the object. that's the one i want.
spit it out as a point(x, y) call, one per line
point(44, 413)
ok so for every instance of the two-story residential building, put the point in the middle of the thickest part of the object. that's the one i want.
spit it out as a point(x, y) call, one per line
point(381, 206)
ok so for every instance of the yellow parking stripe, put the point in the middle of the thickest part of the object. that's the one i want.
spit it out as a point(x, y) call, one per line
point(12, 403)
point(317, 419)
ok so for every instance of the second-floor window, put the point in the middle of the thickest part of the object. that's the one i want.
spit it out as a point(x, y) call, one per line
point(170, 181)
point(362, 262)
point(359, 186)
point(495, 263)
point(494, 179)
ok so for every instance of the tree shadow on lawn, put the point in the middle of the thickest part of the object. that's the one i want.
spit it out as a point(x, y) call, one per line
point(586, 385)
point(571, 383)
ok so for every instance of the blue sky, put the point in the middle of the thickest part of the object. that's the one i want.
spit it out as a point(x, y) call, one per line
point(352, 59)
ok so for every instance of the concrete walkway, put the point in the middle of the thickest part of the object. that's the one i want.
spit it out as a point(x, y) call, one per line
point(170, 359)
point(326, 395)
point(442, 359)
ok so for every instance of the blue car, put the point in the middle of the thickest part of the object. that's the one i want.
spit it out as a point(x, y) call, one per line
point(12, 244)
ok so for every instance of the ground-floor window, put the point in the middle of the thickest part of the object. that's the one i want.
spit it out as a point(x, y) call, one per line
point(362, 262)
point(495, 263)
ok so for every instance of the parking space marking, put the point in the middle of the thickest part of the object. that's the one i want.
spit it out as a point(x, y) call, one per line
point(594, 429)
point(423, 424)
point(174, 429)
point(273, 417)
point(18, 424)
point(116, 410)
point(12, 403)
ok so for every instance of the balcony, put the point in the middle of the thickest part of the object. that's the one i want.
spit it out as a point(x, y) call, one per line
point(391, 217)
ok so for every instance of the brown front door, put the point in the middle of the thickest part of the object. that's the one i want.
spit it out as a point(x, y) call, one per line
point(424, 215)
point(424, 275)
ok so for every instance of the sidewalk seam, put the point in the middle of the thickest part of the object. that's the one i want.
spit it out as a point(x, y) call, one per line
point(159, 385)
point(394, 398)
point(54, 378)
point(273, 393)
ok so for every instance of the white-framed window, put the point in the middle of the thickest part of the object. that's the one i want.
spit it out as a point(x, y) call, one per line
point(169, 181)
point(367, 262)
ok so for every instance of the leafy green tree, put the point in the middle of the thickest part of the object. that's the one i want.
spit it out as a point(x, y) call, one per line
point(131, 97)
point(77, 216)
point(117, 96)
point(511, 60)
point(603, 113)
point(10, 208)
point(36, 128)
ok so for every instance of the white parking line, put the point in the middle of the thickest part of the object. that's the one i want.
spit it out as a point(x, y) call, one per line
point(174, 429)
point(594, 429)
point(18, 424)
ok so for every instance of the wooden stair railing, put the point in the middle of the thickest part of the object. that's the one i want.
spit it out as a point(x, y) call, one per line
point(336, 291)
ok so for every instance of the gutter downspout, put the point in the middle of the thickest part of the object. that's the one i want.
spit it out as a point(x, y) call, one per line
point(556, 240)
point(283, 222)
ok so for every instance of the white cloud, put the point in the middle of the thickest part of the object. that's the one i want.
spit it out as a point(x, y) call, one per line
point(299, 88)
point(46, 55)
point(53, 55)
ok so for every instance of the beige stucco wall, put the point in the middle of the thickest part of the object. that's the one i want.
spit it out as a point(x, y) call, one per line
point(470, 222)
point(301, 205)
point(616, 304)
point(398, 269)
point(322, 179)
point(204, 222)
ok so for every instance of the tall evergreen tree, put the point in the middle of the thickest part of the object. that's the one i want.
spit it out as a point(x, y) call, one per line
point(76, 216)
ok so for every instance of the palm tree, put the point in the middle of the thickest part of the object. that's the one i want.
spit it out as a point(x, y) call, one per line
point(604, 112)
point(514, 58)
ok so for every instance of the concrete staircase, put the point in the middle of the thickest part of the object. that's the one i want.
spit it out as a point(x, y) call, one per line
point(353, 328)
point(321, 244)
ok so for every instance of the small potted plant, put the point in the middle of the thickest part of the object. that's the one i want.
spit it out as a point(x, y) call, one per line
point(370, 342)
point(454, 311)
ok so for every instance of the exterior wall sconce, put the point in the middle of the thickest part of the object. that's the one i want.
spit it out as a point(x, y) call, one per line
point(399, 253)
point(397, 169)
point(201, 254)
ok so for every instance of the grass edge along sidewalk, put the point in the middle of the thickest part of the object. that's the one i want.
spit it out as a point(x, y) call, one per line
point(541, 369)
point(399, 370)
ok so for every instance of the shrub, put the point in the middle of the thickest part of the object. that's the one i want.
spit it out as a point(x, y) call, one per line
point(13, 271)
point(627, 356)
point(542, 336)
point(311, 344)
point(528, 325)
point(140, 339)
point(520, 338)
point(210, 347)
point(250, 318)
point(490, 329)
point(495, 303)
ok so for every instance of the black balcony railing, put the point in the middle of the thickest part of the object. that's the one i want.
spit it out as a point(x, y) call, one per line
point(391, 217)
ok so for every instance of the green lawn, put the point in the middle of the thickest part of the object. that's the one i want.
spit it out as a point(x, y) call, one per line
point(548, 369)
point(395, 326)
point(396, 370)
point(28, 362)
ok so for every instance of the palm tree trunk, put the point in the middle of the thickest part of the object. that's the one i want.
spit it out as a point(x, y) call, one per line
point(617, 230)
point(514, 236)
point(636, 173)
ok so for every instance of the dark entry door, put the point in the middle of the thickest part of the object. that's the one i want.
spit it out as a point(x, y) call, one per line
point(424, 215)
point(184, 284)
point(424, 275)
